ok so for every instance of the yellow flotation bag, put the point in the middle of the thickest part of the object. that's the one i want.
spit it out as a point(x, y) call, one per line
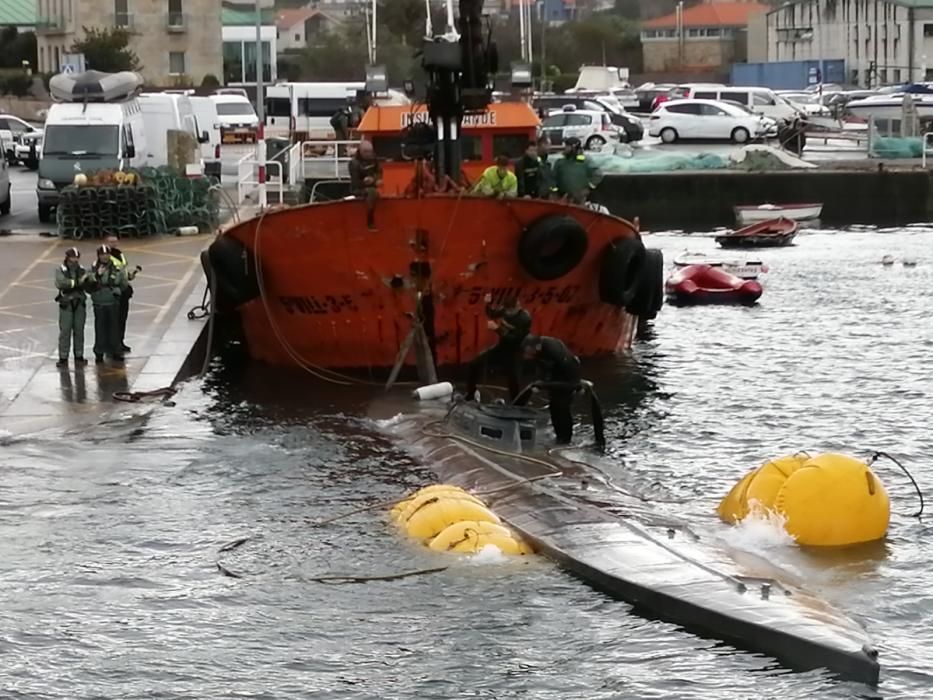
point(434, 516)
point(759, 488)
point(420, 500)
point(469, 537)
point(434, 489)
point(827, 500)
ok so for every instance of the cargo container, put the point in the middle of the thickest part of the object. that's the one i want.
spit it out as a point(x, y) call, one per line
point(789, 75)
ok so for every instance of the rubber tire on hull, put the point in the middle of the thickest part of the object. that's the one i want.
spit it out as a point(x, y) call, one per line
point(649, 295)
point(235, 269)
point(621, 270)
point(551, 247)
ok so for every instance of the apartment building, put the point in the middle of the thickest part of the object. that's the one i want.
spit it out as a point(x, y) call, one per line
point(172, 38)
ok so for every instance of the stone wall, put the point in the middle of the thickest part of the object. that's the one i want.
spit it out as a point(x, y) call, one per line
point(663, 55)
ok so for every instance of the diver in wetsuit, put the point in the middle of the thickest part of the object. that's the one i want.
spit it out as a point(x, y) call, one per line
point(511, 323)
point(555, 363)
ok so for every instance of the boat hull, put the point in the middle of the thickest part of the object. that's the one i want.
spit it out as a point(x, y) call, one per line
point(334, 294)
point(662, 569)
point(797, 212)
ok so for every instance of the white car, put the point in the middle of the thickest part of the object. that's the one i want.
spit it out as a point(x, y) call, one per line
point(808, 102)
point(26, 144)
point(704, 119)
point(11, 128)
point(236, 115)
point(594, 129)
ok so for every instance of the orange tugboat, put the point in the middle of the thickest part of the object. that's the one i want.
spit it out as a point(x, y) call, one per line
point(313, 286)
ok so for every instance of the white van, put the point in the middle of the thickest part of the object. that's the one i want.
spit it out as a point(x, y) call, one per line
point(163, 112)
point(302, 111)
point(758, 99)
point(6, 196)
point(237, 116)
point(205, 112)
point(84, 138)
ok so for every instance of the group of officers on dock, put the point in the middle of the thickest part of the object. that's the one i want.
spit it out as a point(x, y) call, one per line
point(108, 283)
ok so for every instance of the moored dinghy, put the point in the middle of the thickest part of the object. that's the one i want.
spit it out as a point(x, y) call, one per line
point(753, 213)
point(703, 284)
point(766, 234)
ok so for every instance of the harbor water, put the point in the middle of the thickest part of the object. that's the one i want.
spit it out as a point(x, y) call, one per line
point(109, 533)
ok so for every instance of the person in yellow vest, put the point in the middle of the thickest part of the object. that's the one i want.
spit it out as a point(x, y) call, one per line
point(498, 181)
point(119, 261)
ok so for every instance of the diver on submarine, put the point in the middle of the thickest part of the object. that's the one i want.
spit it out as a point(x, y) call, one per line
point(560, 370)
point(511, 323)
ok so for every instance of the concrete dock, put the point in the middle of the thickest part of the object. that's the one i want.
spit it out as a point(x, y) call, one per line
point(34, 393)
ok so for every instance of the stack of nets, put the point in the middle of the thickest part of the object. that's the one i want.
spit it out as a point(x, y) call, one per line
point(155, 201)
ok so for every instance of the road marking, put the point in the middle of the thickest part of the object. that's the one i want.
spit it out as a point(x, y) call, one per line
point(182, 285)
point(25, 273)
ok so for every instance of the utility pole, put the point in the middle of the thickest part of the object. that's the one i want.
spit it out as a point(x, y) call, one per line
point(260, 112)
point(543, 85)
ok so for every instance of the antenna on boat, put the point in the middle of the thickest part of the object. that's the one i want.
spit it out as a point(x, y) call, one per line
point(428, 27)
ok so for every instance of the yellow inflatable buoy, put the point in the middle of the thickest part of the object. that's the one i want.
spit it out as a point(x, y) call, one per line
point(428, 521)
point(469, 537)
point(826, 500)
point(759, 488)
point(423, 497)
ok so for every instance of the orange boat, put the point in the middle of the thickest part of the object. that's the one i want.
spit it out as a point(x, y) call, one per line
point(314, 287)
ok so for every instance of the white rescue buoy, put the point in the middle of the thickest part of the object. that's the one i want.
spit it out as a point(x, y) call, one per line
point(433, 391)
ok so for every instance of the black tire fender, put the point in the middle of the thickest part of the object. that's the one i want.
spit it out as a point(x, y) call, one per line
point(235, 270)
point(551, 247)
point(649, 295)
point(620, 271)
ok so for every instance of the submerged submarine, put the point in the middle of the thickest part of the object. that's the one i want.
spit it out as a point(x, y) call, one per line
point(661, 567)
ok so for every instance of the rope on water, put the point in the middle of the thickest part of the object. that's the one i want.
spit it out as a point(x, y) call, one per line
point(874, 458)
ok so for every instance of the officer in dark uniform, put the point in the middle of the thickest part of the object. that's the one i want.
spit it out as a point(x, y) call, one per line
point(107, 282)
point(511, 323)
point(72, 307)
point(555, 364)
point(119, 259)
point(365, 178)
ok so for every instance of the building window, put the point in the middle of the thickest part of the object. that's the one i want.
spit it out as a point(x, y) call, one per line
point(297, 37)
point(176, 62)
point(897, 75)
point(928, 29)
point(176, 17)
point(121, 15)
point(58, 61)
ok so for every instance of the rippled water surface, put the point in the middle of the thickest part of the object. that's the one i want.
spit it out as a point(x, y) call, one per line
point(109, 586)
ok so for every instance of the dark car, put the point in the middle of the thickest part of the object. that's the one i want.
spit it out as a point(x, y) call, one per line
point(631, 126)
point(647, 96)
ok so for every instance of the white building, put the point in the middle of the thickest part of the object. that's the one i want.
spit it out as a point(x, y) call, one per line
point(882, 41)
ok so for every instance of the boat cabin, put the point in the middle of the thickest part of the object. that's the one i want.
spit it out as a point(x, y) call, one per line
point(505, 128)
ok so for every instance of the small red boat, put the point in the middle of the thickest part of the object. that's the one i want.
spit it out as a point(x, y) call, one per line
point(704, 284)
point(766, 234)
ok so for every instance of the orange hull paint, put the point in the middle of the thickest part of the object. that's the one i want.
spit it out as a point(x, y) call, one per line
point(337, 295)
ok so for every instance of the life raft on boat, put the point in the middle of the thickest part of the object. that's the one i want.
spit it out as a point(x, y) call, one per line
point(95, 86)
point(766, 234)
point(704, 284)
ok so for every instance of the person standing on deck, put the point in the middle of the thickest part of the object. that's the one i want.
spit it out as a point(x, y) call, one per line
point(555, 363)
point(70, 277)
point(511, 323)
point(498, 181)
point(365, 178)
point(528, 172)
point(575, 176)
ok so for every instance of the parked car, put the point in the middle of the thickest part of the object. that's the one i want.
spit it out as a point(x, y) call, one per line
point(631, 126)
point(6, 194)
point(758, 99)
point(10, 129)
point(649, 92)
point(27, 148)
point(681, 92)
point(705, 119)
point(592, 127)
point(808, 102)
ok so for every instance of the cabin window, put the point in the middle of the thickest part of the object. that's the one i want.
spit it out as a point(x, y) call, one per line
point(320, 106)
point(511, 145)
point(472, 147)
point(387, 147)
point(494, 433)
point(526, 434)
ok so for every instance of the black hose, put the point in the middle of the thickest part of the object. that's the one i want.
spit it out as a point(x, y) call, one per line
point(875, 457)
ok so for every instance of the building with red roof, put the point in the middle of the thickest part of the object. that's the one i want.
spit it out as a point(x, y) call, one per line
point(709, 36)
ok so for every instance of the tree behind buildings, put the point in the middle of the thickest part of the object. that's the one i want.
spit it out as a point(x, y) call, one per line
point(107, 50)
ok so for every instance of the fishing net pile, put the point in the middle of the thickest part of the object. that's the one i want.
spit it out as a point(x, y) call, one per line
point(896, 147)
point(139, 203)
point(624, 161)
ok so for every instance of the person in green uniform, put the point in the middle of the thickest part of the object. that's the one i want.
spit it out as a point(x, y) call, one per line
point(108, 283)
point(119, 259)
point(575, 176)
point(70, 278)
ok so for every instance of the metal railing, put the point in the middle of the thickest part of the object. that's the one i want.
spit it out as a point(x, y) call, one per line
point(123, 20)
point(926, 143)
point(176, 22)
point(248, 178)
point(326, 159)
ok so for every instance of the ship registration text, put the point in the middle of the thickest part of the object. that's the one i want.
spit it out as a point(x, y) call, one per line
point(318, 305)
point(469, 120)
point(535, 295)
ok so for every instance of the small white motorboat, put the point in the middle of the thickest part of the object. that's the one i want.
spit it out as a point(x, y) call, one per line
point(746, 269)
point(753, 214)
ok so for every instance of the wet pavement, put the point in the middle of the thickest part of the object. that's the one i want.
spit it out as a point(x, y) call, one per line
point(33, 391)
